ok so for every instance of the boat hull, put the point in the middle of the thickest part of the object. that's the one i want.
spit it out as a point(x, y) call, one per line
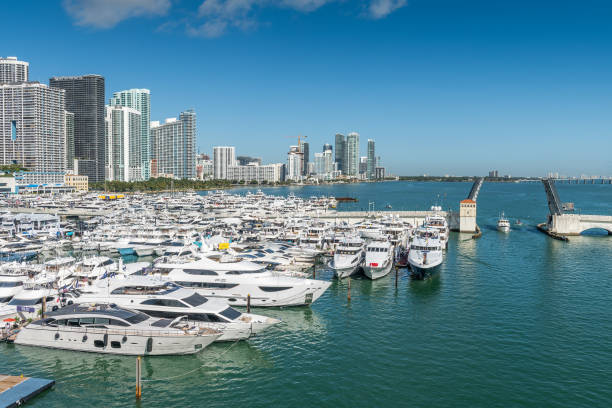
point(423, 272)
point(373, 272)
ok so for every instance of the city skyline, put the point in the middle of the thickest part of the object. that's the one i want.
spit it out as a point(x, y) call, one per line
point(475, 88)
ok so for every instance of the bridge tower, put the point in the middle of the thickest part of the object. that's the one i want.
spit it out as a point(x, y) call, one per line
point(467, 208)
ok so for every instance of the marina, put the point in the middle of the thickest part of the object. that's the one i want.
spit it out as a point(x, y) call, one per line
point(234, 234)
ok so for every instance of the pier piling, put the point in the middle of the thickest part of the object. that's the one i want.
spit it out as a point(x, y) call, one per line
point(396, 277)
point(249, 303)
point(138, 377)
point(349, 289)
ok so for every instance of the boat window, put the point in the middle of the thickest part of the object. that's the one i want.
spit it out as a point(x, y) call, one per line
point(5, 299)
point(137, 318)
point(274, 288)
point(163, 314)
point(115, 322)
point(206, 317)
point(86, 320)
point(241, 272)
point(101, 320)
point(61, 322)
point(200, 272)
point(10, 284)
point(107, 262)
point(115, 344)
point(73, 322)
point(163, 302)
point(210, 285)
point(231, 313)
point(24, 302)
point(195, 300)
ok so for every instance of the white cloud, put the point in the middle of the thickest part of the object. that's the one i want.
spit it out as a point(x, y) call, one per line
point(108, 13)
point(382, 8)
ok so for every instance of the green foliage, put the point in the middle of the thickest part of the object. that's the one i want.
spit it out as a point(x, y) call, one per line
point(159, 184)
point(12, 168)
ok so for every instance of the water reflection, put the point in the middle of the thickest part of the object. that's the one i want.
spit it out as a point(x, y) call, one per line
point(427, 288)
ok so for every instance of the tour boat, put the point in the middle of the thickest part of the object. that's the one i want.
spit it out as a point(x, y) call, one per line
point(109, 329)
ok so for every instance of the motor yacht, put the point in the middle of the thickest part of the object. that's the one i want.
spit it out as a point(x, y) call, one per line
point(10, 285)
point(379, 256)
point(348, 257)
point(234, 280)
point(425, 256)
point(503, 224)
point(110, 329)
point(164, 299)
point(439, 222)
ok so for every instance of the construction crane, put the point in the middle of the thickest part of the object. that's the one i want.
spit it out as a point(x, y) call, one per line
point(299, 138)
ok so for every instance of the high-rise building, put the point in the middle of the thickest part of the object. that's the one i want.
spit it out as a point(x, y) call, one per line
point(123, 138)
point(32, 126)
point(295, 164)
point(340, 152)
point(270, 173)
point(69, 139)
point(363, 166)
point(305, 148)
point(174, 146)
point(13, 71)
point(85, 99)
point(223, 157)
point(324, 165)
point(327, 147)
point(371, 166)
point(352, 154)
point(139, 99)
point(246, 160)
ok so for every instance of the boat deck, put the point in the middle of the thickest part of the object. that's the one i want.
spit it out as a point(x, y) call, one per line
point(15, 390)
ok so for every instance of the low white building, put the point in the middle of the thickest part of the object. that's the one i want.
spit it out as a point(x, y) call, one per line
point(270, 173)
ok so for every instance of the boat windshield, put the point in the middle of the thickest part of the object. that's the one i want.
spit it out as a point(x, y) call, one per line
point(231, 313)
point(137, 318)
point(11, 284)
point(195, 300)
point(25, 302)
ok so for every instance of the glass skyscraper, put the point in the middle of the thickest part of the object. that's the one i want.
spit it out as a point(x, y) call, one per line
point(352, 155)
point(85, 99)
point(371, 170)
point(340, 152)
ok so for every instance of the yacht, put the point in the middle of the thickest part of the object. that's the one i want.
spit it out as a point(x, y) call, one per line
point(378, 259)
point(159, 298)
point(439, 222)
point(503, 224)
point(235, 280)
point(348, 257)
point(10, 285)
point(28, 303)
point(425, 256)
point(110, 329)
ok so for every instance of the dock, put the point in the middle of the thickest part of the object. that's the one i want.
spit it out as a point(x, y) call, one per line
point(15, 390)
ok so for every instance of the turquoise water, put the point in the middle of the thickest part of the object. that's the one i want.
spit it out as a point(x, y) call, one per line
point(513, 320)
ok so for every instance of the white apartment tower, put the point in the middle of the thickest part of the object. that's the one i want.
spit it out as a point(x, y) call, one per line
point(352, 154)
point(13, 71)
point(32, 126)
point(295, 164)
point(174, 146)
point(223, 157)
point(123, 143)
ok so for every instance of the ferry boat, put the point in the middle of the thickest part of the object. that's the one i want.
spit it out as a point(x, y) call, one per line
point(110, 329)
point(503, 224)
point(379, 256)
point(425, 256)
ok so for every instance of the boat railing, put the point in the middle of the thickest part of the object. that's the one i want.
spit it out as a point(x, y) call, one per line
point(126, 332)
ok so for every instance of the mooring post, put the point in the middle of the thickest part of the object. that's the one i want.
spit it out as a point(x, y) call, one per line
point(314, 272)
point(349, 289)
point(43, 308)
point(396, 277)
point(249, 303)
point(138, 375)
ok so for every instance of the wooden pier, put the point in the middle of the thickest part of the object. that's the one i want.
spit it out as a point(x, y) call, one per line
point(14, 390)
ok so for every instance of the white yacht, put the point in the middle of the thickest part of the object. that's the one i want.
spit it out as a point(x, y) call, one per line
point(235, 280)
point(113, 330)
point(160, 298)
point(503, 224)
point(425, 256)
point(378, 259)
point(348, 257)
point(10, 285)
point(28, 303)
point(439, 222)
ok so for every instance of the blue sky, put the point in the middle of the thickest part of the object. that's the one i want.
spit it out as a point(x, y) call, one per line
point(443, 86)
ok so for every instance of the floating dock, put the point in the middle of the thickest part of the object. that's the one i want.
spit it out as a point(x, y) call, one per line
point(14, 390)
